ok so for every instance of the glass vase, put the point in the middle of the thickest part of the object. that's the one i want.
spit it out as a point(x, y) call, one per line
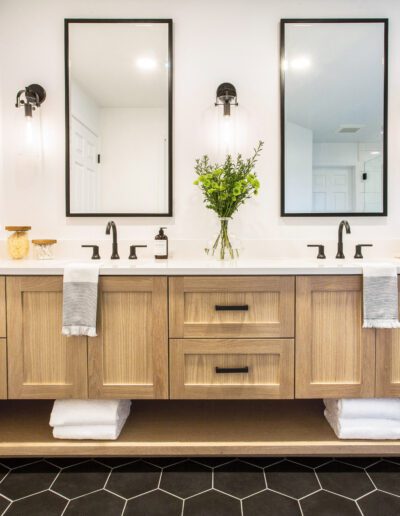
point(223, 246)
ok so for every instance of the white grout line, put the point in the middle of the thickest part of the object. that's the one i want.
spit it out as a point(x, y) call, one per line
point(86, 494)
point(159, 480)
point(124, 508)
point(193, 495)
point(227, 494)
point(30, 495)
point(366, 494)
point(172, 494)
point(338, 494)
point(310, 494)
point(115, 494)
point(253, 494)
point(65, 508)
point(284, 494)
point(359, 508)
point(183, 508)
point(58, 494)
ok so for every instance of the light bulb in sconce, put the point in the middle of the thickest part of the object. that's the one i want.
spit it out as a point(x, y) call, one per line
point(29, 130)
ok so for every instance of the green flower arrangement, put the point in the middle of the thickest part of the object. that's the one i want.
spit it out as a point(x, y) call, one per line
point(225, 188)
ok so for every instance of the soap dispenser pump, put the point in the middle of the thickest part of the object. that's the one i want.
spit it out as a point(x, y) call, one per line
point(161, 245)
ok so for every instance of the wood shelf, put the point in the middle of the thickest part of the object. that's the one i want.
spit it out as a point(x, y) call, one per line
point(190, 428)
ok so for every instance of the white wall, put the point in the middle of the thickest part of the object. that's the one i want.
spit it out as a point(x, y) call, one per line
point(202, 29)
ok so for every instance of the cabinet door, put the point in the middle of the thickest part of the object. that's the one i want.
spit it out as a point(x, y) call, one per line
point(41, 362)
point(3, 369)
point(387, 363)
point(2, 307)
point(232, 369)
point(335, 356)
point(129, 357)
point(235, 307)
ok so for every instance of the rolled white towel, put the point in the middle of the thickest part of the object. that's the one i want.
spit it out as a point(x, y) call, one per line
point(93, 432)
point(89, 412)
point(374, 408)
point(364, 428)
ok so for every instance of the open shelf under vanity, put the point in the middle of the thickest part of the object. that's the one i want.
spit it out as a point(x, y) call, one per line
point(190, 428)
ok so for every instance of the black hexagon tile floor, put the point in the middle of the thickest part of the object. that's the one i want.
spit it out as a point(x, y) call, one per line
point(200, 486)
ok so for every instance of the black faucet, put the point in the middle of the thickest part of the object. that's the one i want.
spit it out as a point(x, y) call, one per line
point(111, 224)
point(343, 224)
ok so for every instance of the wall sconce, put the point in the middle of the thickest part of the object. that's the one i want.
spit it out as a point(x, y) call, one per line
point(226, 96)
point(34, 96)
point(29, 128)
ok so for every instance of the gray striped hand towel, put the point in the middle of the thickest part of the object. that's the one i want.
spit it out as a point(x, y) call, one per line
point(381, 303)
point(80, 299)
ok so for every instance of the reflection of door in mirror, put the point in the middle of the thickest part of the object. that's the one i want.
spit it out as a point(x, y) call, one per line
point(119, 117)
point(334, 117)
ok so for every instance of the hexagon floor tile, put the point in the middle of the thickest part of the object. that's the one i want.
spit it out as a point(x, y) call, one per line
point(186, 479)
point(212, 486)
point(239, 479)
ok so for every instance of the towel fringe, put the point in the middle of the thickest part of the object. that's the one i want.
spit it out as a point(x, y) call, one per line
point(381, 323)
point(77, 331)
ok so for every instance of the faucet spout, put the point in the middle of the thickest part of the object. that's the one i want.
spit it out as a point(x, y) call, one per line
point(346, 225)
point(111, 226)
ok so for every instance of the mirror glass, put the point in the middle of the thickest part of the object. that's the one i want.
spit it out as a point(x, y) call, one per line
point(119, 121)
point(334, 105)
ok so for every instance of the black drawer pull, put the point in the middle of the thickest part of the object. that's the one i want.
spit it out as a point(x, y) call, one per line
point(220, 370)
point(226, 308)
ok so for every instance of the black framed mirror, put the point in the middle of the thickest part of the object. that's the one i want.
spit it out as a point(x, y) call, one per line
point(334, 105)
point(118, 112)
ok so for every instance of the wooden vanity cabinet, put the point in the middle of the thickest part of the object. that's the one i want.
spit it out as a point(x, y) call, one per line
point(129, 357)
point(41, 362)
point(231, 307)
point(335, 356)
point(3, 342)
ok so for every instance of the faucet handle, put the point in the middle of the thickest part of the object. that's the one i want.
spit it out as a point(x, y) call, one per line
point(132, 249)
point(95, 254)
point(359, 250)
point(321, 250)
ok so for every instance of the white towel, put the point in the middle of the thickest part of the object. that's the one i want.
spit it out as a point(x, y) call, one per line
point(364, 428)
point(381, 304)
point(89, 412)
point(374, 408)
point(95, 432)
point(80, 299)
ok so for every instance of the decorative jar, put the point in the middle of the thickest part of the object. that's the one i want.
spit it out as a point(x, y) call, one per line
point(44, 249)
point(18, 242)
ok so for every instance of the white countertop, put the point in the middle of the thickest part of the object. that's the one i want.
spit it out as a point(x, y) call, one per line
point(178, 267)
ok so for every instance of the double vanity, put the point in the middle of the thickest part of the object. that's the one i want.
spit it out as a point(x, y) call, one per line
point(253, 345)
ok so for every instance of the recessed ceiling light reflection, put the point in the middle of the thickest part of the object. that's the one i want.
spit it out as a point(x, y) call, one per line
point(375, 153)
point(300, 63)
point(146, 63)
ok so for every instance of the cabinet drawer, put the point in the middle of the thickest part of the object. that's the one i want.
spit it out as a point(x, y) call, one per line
point(231, 368)
point(228, 306)
point(3, 369)
point(2, 307)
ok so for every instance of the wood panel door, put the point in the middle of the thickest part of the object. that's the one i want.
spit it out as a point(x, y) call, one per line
point(3, 369)
point(41, 362)
point(129, 357)
point(232, 369)
point(335, 356)
point(232, 307)
point(3, 325)
point(388, 362)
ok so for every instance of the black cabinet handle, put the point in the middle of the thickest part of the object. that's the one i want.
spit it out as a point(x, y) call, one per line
point(236, 308)
point(221, 370)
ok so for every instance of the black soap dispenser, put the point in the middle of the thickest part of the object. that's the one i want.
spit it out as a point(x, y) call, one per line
point(161, 245)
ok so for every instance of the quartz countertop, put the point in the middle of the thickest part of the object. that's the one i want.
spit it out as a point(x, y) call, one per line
point(179, 267)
